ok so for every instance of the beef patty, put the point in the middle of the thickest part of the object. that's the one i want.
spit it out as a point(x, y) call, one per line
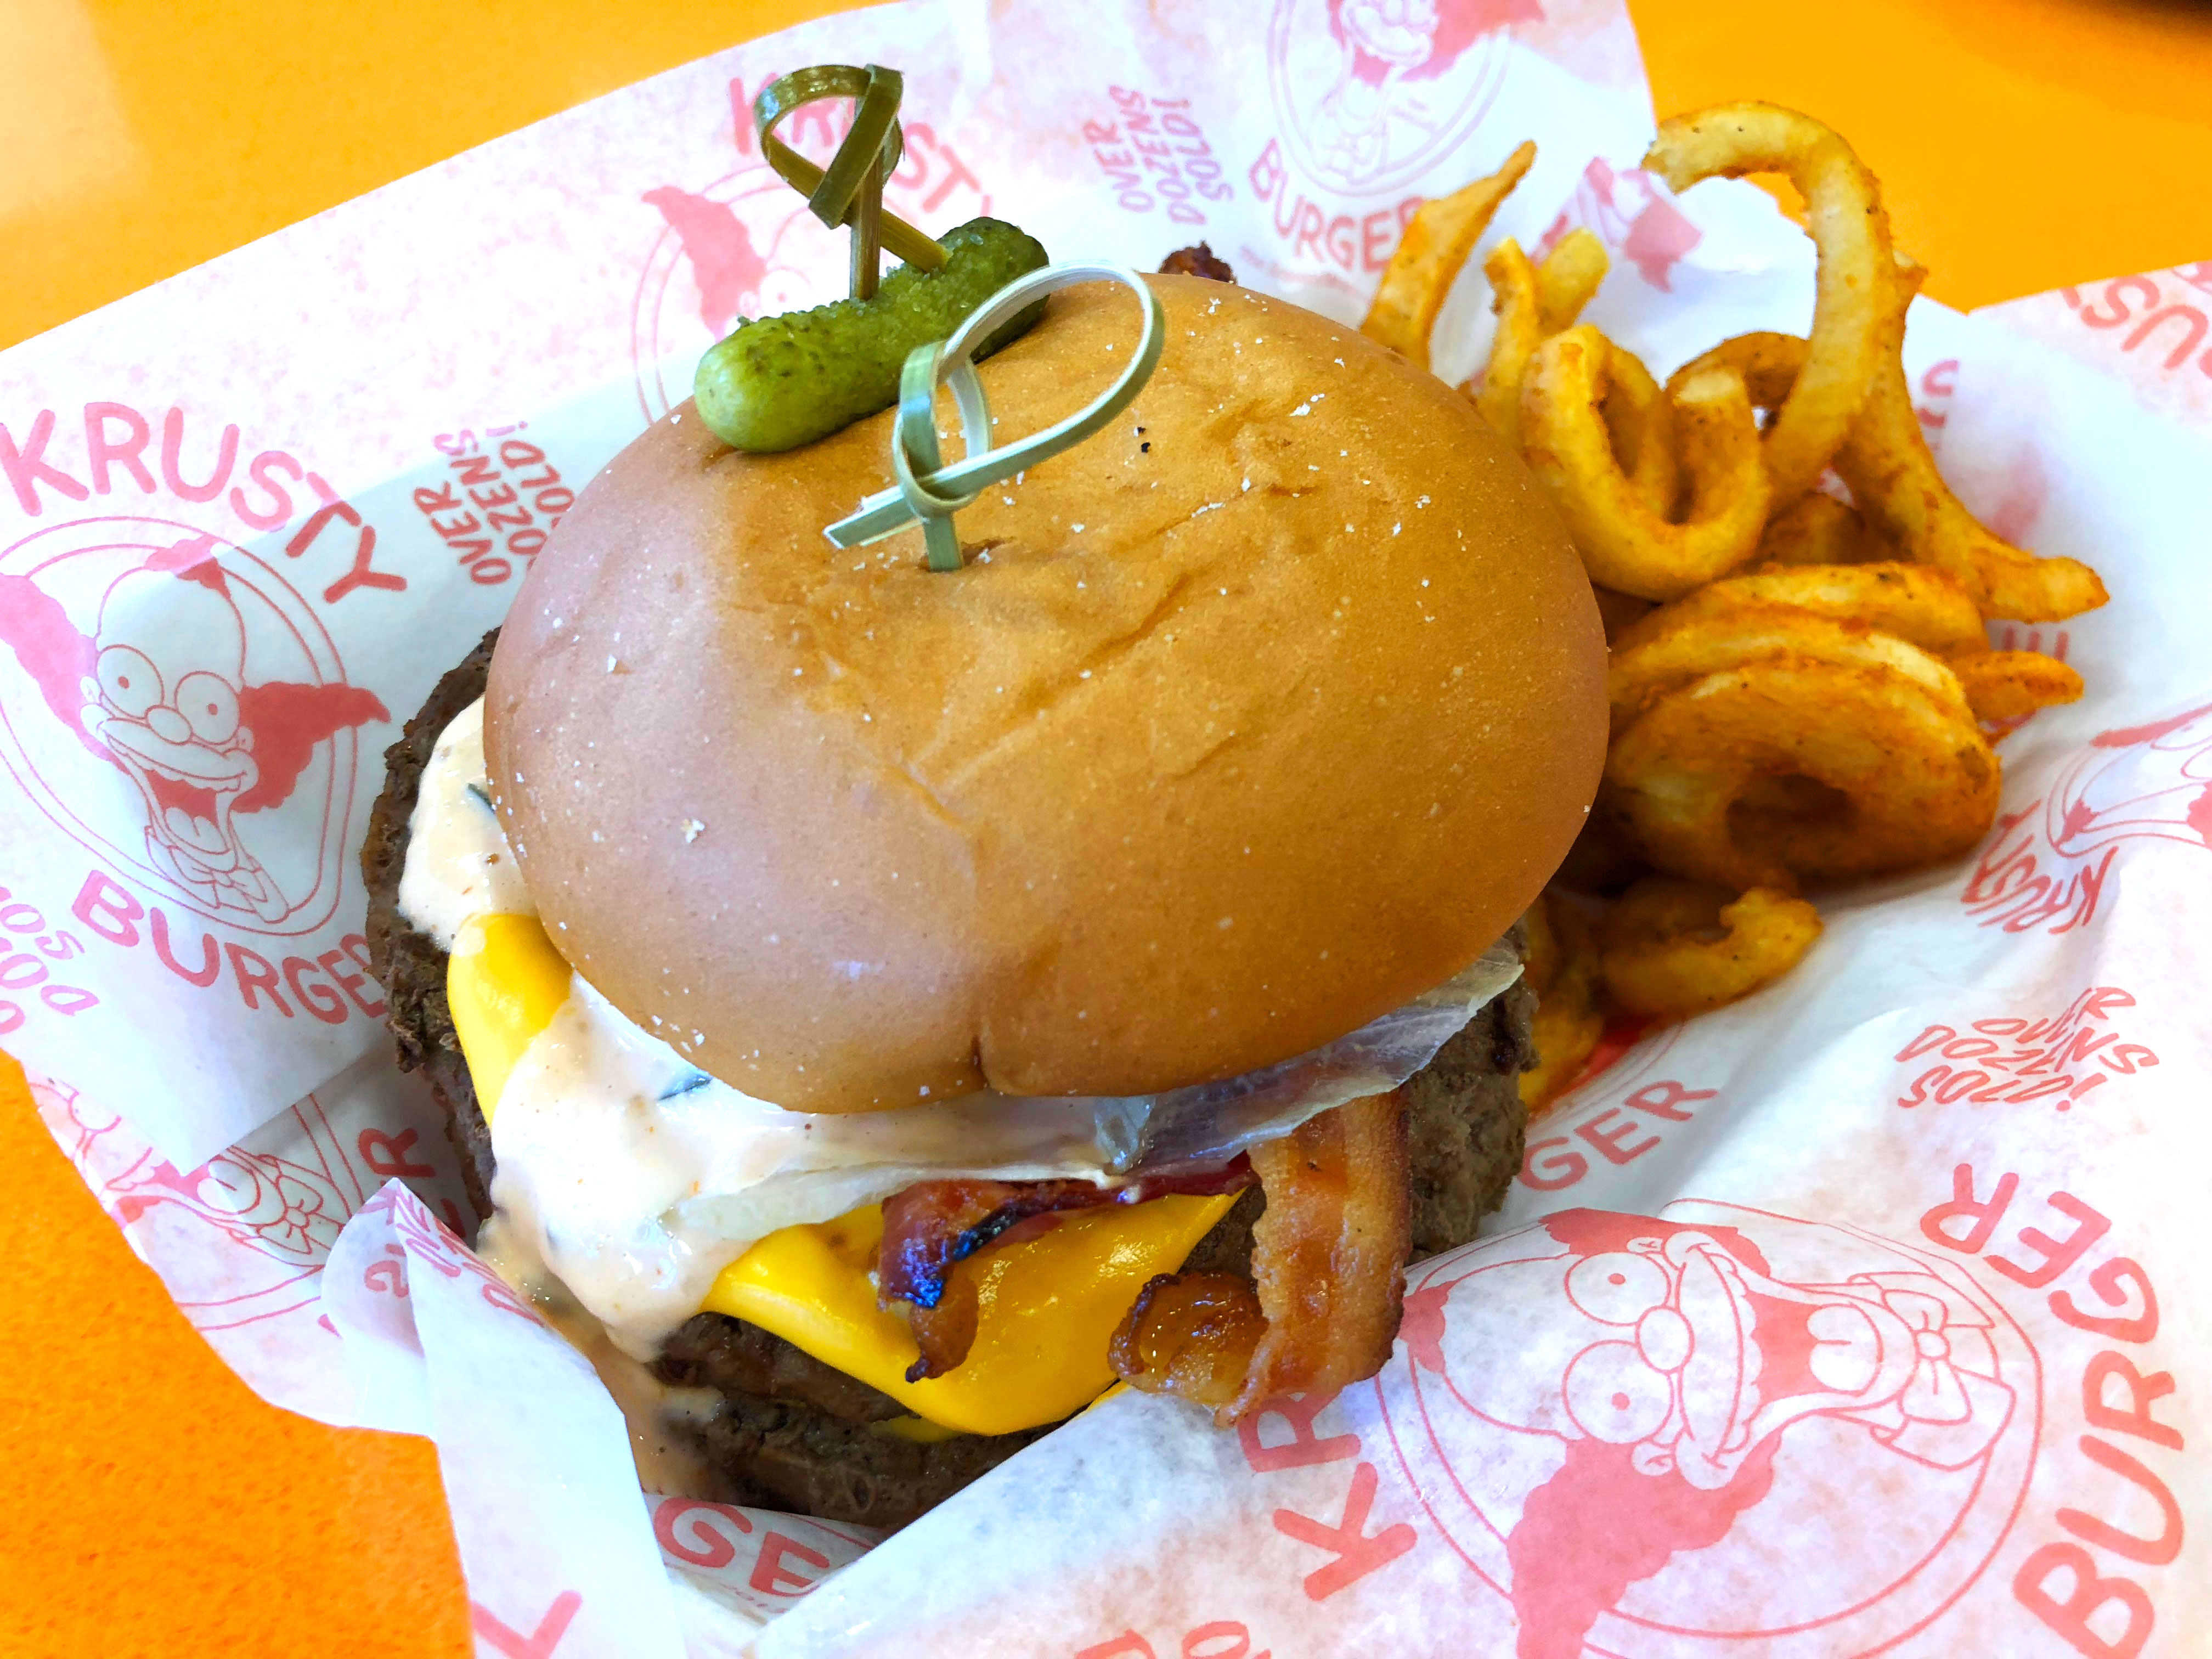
point(791, 1432)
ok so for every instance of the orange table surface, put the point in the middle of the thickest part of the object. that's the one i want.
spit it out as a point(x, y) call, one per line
point(152, 1505)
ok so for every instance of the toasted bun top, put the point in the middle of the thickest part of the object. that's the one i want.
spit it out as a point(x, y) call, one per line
point(1250, 719)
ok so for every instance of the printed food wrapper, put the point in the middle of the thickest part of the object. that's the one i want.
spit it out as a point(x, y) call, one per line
point(1859, 1316)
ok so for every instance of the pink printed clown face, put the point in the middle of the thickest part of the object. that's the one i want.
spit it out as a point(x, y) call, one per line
point(1372, 90)
point(163, 698)
point(209, 682)
point(1402, 35)
point(1625, 1424)
point(1382, 40)
point(1692, 1358)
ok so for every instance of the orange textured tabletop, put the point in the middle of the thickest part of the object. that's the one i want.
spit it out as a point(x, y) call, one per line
point(154, 1505)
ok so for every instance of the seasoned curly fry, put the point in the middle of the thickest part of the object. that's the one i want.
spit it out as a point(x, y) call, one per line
point(1568, 278)
point(2008, 685)
point(1519, 332)
point(1734, 633)
point(1769, 363)
point(1563, 968)
point(1566, 1032)
point(1443, 232)
point(1640, 418)
point(1625, 544)
point(1543, 957)
point(1532, 304)
point(1677, 948)
point(1805, 703)
point(1893, 479)
point(1900, 496)
point(1912, 601)
point(1821, 530)
point(1844, 216)
point(1897, 780)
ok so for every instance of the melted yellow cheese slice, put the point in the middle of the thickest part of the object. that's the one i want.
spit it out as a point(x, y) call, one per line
point(1048, 1306)
point(504, 982)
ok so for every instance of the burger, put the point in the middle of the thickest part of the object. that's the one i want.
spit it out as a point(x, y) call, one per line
point(880, 1010)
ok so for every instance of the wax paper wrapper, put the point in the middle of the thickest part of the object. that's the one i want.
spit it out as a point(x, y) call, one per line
point(1857, 1317)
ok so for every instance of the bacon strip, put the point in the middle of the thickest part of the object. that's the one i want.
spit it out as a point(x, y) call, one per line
point(1191, 1335)
point(944, 1331)
point(1198, 261)
point(1328, 1259)
point(934, 1224)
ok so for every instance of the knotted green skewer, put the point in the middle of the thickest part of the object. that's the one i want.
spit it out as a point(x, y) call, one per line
point(931, 492)
point(779, 382)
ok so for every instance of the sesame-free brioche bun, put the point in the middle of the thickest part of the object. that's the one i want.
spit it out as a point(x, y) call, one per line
point(1248, 720)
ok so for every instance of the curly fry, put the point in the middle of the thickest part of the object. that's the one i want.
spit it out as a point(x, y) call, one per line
point(1533, 302)
point(1893, 479)
point(1844, 216)
point(1443, 232)
point(1731, 633)
point(1896, 779)
point(1624, 542)
point(1520, 332)
point(1563, 969)
point(1912, 601)
point(1544, 955)
point(1768, 362)
point(1568, 278)
point(1640, 418)
point(1821, 530)
point(1677, 948)
point(2009, 685)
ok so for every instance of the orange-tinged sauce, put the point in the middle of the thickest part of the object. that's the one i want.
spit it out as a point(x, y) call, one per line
point(1048, 1305)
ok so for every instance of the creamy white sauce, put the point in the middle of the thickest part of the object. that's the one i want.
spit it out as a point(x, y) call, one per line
point(634, 1177)
point(458, 863)
point(664, 1423)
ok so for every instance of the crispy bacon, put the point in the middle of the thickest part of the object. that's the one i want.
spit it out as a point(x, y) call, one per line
point(1192, 1336)
point(946, 1330)
point(1328, 1259)
point(1198, 261)
point(934, 1224)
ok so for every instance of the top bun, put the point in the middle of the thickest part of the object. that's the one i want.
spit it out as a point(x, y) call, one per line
point(1250, 719)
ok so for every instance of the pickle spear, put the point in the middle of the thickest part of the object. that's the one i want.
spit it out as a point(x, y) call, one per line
point(782, 381)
